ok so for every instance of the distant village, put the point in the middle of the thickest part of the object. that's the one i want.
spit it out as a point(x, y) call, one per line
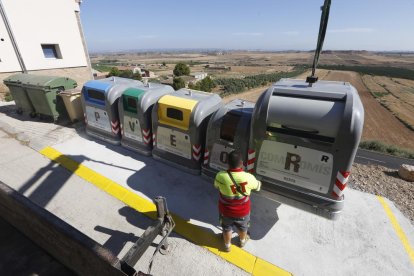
point(163, 74)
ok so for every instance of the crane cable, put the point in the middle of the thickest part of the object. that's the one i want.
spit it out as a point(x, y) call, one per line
point(321, 37)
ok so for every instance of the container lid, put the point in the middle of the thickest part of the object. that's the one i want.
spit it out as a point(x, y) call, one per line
point(14, 78)
point(134, 92)
point(71, 92)
point(175, 111)
point(45, 81)
point(178, 102)
point(324, 90)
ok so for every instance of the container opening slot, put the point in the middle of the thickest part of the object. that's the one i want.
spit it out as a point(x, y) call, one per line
point(96, 95)
point(175, 114)
point(301, 133)
point(229, 126)
point(314, 95)
point(130, 104)
point(312, 131)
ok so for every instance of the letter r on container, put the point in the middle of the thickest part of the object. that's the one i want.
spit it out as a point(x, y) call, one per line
point(292, 159)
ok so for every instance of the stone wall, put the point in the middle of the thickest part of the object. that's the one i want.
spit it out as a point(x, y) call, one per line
point(80, 74)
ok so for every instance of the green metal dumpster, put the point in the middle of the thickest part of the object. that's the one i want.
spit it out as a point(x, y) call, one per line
point(19, 94)
point(43, 93)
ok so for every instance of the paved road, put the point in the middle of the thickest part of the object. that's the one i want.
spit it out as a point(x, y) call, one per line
point(367, 157)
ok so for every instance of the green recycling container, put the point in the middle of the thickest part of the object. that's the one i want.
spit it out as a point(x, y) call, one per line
point(19, 94)
point(43, 93)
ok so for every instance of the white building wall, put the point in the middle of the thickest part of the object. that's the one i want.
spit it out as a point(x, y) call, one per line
point(8, 58)
point(199, 76)
point(44, 22)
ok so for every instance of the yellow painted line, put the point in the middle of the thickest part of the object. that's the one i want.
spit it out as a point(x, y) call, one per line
point(400, 233)
point(264, 268)
point(194, 233)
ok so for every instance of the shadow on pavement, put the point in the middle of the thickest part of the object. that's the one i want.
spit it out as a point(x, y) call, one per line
point(117, 239)
point(189, 196)
point(191, 232)
point(10, 111)
point(54, 179)
point(195, 198)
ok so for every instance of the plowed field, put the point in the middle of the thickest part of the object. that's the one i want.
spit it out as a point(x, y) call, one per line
point(380, 124)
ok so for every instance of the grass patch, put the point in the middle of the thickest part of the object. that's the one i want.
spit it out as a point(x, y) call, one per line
point(386, 148)
point(102, 68)
point(8, 97)
point(404, 122)
point(379, 94)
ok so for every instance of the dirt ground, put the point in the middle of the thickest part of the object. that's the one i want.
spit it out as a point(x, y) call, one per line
point(379, 124)
point(251, 95)
point(373, 85)
point(403, 92)
point(397, 95)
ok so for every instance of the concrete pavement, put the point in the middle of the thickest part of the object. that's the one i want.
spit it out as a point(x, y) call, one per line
point(362, 241)
point(103, 218)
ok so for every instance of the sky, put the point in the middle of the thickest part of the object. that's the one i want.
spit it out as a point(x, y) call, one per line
point(378, 25)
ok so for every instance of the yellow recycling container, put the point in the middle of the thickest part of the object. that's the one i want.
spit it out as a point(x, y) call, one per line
point(73, 104)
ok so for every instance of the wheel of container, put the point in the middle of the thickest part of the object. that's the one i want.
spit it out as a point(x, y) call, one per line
point(19, 111)
point(32, 114)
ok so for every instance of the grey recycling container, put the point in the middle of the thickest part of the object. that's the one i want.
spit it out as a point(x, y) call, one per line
point(19, 93)
point(135, 107)
point(305, 139)
point(100, 105)
point(179, 123)
point(228, 130)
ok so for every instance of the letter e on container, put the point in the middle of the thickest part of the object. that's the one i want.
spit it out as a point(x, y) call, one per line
point(179, 123)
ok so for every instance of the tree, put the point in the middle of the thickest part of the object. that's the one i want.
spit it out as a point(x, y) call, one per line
point(114, 72)
point(193, 86)
point(126, 74)
point(206, 84)
point(178, 83)
point(137, 76)
point(181, 69)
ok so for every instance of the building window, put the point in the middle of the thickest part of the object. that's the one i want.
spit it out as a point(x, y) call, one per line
point(51, 51)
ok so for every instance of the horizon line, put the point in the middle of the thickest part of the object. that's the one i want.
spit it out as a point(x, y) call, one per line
point(239, 50)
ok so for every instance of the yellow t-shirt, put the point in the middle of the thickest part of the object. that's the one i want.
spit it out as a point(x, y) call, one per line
point(246, 181)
